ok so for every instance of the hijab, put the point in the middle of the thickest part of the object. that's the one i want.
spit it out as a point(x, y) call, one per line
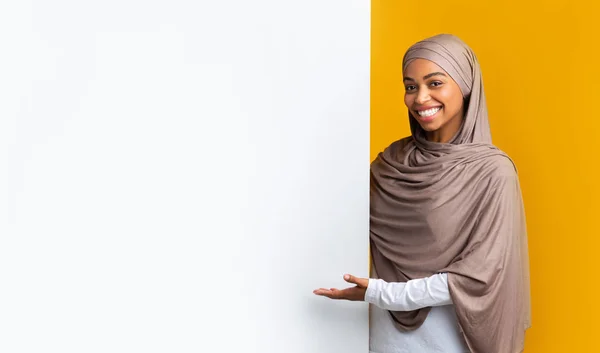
point(455, 208)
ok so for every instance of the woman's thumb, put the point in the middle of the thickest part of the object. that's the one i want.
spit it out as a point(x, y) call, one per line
point(349, 279)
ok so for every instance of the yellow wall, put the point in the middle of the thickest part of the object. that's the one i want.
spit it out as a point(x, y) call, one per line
point(542, 80)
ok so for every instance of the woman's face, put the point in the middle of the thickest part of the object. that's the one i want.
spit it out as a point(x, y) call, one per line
point(434, 99)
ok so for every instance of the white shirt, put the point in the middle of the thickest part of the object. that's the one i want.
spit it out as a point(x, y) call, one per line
point(439, 332)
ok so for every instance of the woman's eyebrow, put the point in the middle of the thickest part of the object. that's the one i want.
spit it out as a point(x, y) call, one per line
point(426, 76)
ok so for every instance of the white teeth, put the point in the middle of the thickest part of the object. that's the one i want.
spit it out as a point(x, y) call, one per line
point(429, 112)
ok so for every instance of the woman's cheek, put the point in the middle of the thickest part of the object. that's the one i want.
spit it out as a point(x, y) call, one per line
point(407, 101)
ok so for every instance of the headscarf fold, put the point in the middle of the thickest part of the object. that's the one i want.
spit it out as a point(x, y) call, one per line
point(455, 207)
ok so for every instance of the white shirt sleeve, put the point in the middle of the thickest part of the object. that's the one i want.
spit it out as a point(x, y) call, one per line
point(411, 295)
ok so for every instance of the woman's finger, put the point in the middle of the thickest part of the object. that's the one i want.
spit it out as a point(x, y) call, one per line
point(329, 293)
point(361, 282)
point(350, 279)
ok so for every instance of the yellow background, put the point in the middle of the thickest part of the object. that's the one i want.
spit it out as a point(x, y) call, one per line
point(542, 82)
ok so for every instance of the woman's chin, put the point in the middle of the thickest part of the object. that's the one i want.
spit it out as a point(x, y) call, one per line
point(429, 127)
point(428, 124)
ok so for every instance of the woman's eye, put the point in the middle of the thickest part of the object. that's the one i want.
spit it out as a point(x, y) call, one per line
point(436, 83)
point(410, 88)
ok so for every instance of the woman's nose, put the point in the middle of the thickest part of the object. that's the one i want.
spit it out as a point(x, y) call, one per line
point(422, 96)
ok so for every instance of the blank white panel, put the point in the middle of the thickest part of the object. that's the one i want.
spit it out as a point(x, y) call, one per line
point(178, 176)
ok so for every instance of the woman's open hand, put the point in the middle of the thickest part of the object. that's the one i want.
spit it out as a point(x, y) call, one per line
point(356, 293)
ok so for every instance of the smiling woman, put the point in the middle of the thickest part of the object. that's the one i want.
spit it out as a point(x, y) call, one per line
point(447, 225)
point(434, 99)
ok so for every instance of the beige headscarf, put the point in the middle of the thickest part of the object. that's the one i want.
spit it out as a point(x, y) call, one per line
point(457, 208)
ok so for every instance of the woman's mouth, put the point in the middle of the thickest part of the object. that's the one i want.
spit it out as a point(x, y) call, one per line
point(429, 114)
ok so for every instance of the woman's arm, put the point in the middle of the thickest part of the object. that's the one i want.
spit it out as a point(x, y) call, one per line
point(411, 295)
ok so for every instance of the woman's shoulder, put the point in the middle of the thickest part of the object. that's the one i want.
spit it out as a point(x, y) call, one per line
point(400, 144)
point(394, 150)
point(500, 165)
